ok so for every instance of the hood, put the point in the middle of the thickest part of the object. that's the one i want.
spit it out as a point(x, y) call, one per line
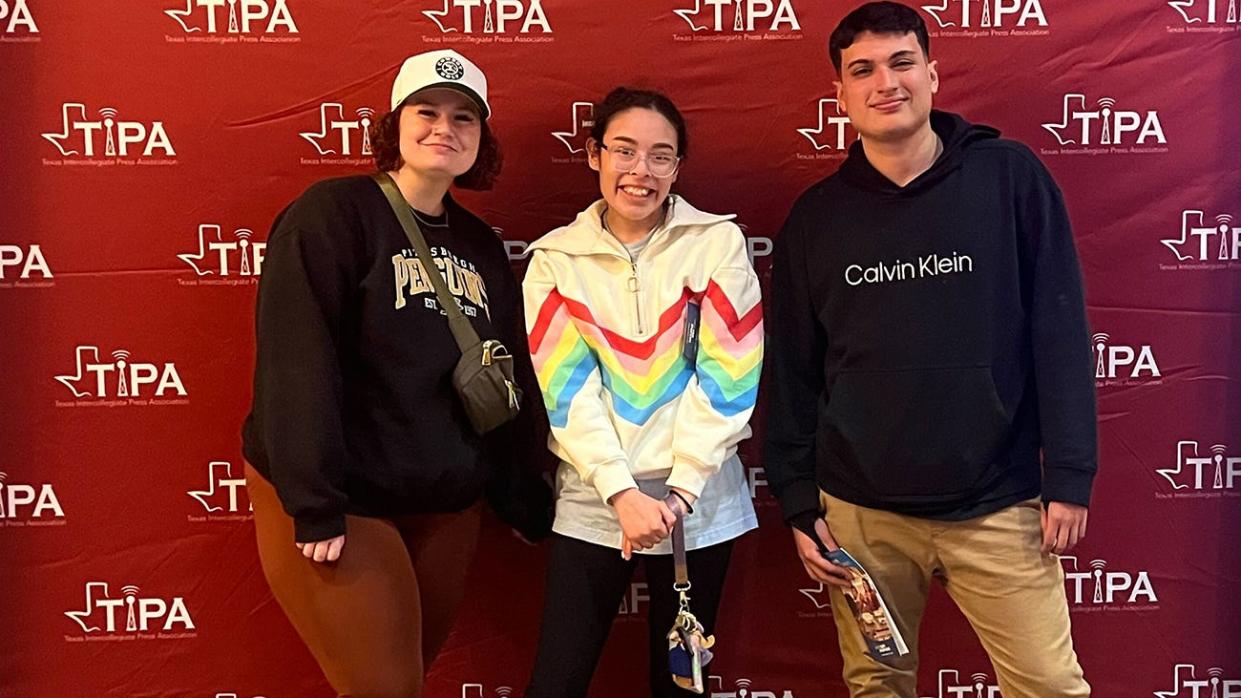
point(956, 133)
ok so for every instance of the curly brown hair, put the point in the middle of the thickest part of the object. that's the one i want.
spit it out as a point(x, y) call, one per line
point(386, 145)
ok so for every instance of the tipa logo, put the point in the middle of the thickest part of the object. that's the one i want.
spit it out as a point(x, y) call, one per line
point(756, 477)
point(218, 256)
point(756, 247)
point(739, 16)
point(987, 14)
point(742, 688)
point(223, 494)
point(241, 17)
point(121, 377)
point(1206, 11)
point(477, 690)
point(820, 598)
point(951, 684)
point(341, 134)
point(632, 602)
point(1204, 241)
point(131, 612)
point(107, 135)
point(22, 263)
point(1114, 130)
point(517, 250)
point(1203, 471)
point(832, 135)
point(1215, 684)
point(582, 120)
point(15, 19)
point(1092, 586)
point(1120, 364)
point(24, 504)
point(507, 16)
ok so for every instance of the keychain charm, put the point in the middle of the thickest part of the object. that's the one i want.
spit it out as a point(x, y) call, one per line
point(689, 646)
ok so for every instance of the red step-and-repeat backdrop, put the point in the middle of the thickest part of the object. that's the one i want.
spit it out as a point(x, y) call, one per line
point(147, 146)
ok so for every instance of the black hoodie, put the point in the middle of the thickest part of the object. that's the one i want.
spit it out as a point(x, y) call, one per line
point(928, 341)
point(354, 410)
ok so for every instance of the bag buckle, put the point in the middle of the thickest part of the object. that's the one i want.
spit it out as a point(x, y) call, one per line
point(494, 350)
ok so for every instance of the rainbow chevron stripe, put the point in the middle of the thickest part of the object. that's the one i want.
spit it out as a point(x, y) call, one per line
point(730, 355)
point(567, 343)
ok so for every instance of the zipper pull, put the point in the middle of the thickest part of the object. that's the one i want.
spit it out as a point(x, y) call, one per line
point(635, 287)
point(487, 353)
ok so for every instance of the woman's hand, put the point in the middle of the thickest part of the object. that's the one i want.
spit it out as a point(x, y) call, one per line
point(323, 550)
point(686, 496)
point(645, 521)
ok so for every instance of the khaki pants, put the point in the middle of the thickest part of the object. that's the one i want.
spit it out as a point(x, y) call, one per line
point(992, 567)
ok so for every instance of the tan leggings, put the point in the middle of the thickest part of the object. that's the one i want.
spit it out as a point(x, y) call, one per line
point(375, 619)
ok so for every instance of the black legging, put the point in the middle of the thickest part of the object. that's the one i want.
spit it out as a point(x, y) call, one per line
point(585, 585)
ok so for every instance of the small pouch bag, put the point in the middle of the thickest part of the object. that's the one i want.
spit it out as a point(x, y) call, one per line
point(483, 377)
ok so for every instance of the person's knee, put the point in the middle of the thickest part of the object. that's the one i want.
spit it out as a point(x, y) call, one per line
point(1047, 679)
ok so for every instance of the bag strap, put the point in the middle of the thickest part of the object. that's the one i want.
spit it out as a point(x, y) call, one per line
point(680, 562)
point(458, 323)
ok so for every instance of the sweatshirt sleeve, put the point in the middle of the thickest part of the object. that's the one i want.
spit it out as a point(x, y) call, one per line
point(1063, 367)
point(516, 489)
point(795, 380)
point(713, 413)
point(297, 375)
point(573, 393)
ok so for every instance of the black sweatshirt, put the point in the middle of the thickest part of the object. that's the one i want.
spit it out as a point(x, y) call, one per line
point(354, 410)
point(927, 341)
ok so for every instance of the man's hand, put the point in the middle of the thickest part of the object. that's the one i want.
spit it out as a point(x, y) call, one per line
point(645, 521)
point(1064, 525)
point(323, 550)
point(818, 567)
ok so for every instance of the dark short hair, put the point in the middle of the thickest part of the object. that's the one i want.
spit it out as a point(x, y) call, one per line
point(622, 98)
point(878, 18)
point(386, 145)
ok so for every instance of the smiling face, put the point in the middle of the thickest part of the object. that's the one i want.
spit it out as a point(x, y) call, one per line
point(635, 194)
point(440, 131)
point(886, 85)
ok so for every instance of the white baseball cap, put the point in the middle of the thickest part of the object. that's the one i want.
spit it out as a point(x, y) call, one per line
point(445, 68)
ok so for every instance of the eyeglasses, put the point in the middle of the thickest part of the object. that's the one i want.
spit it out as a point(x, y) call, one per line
point(624, 158)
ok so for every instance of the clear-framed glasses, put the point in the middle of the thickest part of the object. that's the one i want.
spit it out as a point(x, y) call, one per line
point(624, 158)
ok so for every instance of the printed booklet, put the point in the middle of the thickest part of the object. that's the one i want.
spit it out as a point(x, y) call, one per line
point(881, 634)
